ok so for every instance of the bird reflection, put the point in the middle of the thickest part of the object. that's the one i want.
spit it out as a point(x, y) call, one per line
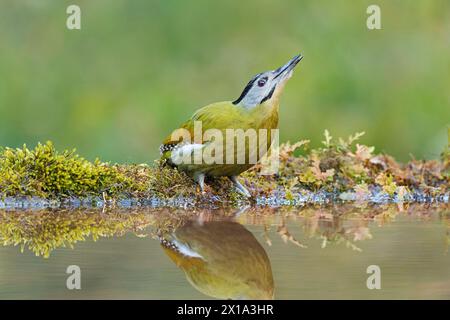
point(221, 259)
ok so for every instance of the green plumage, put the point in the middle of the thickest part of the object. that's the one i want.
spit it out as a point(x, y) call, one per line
point(222, 116)
point(255, 109)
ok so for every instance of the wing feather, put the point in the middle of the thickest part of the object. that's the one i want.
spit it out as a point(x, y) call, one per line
point(221, 116)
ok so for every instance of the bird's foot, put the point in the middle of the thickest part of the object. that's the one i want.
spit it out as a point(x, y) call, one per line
point(204, 188)
point(239, 187)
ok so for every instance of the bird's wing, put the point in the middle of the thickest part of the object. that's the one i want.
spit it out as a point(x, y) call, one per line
point(221, 115)
point(181, 253)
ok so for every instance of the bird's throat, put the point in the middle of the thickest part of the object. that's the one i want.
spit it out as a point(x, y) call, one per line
point(266, 115)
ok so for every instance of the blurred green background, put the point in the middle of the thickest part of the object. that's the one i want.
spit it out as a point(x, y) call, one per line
point(137, 69)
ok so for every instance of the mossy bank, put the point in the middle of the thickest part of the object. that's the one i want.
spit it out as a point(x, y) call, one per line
point(341, 170)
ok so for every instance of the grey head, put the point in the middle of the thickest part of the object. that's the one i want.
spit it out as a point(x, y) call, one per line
point(262, 86)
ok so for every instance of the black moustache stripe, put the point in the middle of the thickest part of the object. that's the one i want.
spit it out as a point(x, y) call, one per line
point(246, 89)
point(269, 95)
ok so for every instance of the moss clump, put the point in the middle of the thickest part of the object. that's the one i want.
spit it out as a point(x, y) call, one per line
point(47, 173)
point(343, 165)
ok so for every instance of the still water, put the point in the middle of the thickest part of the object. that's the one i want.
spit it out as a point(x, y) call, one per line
point(308, 253)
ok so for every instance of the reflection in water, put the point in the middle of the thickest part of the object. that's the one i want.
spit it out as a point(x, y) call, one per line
point(46, 230)
point(43, 231)
point(221, 259)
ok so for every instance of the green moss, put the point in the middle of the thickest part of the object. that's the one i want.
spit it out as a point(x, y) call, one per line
point(339, 165)
point(46, 173)
point(386, 181)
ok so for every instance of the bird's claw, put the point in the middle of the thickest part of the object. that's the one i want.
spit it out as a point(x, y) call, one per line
point(240, 188)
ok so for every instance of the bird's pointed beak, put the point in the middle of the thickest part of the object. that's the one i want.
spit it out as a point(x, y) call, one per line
point(285, 71)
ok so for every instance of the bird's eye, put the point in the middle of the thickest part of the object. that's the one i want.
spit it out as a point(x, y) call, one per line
point(262, 82)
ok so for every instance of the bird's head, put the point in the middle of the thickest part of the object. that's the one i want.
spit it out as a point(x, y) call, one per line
point(267, 85)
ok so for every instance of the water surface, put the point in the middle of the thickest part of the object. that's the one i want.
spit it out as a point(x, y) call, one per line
point(308, 253)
